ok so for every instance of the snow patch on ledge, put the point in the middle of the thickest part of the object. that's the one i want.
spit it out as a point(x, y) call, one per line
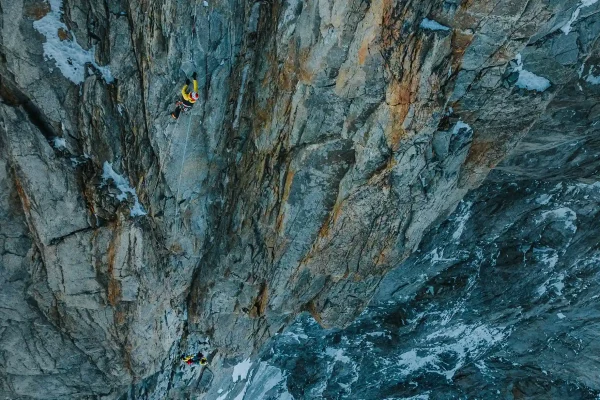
point(563, 214)
point(59, 143)
point(461, 127)
point(240, 371)
point(123, 185)
point(69, 56)
point(432, 25)
point(462, 343)
point(591, 78)
point(529, 80)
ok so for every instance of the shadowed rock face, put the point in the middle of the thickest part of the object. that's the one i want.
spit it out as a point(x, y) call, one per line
point(329, 137)
point(504, 306)
point(499, 301)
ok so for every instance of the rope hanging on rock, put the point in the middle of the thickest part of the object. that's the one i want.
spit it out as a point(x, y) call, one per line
point(187, 135)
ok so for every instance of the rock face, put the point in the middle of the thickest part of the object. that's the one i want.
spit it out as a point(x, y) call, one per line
point(329, 137)
point(502, 304)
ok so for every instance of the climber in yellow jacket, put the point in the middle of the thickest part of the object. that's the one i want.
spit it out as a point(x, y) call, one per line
point(188, 98)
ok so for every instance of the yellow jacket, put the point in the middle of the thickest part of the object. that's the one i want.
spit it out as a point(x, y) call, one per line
point(185, 94)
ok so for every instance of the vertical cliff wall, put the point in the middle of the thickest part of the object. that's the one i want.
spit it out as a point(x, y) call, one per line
point(328, 138)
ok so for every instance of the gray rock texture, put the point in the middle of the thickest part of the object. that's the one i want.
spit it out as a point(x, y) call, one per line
point(329, 138)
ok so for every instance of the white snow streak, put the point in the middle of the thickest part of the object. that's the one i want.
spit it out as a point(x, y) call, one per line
point(584, 3)
point(460, 126)
point(529, 80)
point(69, 56)
point(472, 342)
point(59, 143)
point(123, 185)
point(462, 220)
point(433, 25)
point(240, 371)
point(337, 355)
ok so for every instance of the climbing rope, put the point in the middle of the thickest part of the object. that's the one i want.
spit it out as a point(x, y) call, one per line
point(187, 136)
point(168, 146)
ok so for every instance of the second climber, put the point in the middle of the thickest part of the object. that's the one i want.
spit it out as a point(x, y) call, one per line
point(188, 98)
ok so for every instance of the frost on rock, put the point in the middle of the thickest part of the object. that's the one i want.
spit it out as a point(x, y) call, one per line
point(123, 185)
point(584, 3)
point(69, 56)
point(432, 25)
point(562, 214)
point(529, 80)
point(471, 342)
point(461, 219)
point(267, 382)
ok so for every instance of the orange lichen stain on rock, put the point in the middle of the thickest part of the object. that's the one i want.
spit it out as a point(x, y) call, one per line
point(260, 303)
point(479, 153)
point(382, 257)
point(295, 68)
point(289, 179)
point(23, 196)
point(114, 286)
point(37, 11)
point(176, 248)
point(289, 71)
point(63, 34)
point(402, 92)
point(114, 291)
point(374, 14)
point(330, 222)
point(263, 116)
point(120, 317)
point(399, 100)
point(363, 51)
point(304, 72)
point(312, 309)
point(460, 42)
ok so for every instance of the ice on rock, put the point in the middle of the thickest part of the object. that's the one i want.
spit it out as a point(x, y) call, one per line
point(123, 185)
point(68, 55)
point(528, 80)
point(566, 28)
point(59, 143)
point(240, 371)
point(432, 25)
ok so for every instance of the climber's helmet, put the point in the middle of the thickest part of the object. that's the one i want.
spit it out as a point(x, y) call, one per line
point(194, 96)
